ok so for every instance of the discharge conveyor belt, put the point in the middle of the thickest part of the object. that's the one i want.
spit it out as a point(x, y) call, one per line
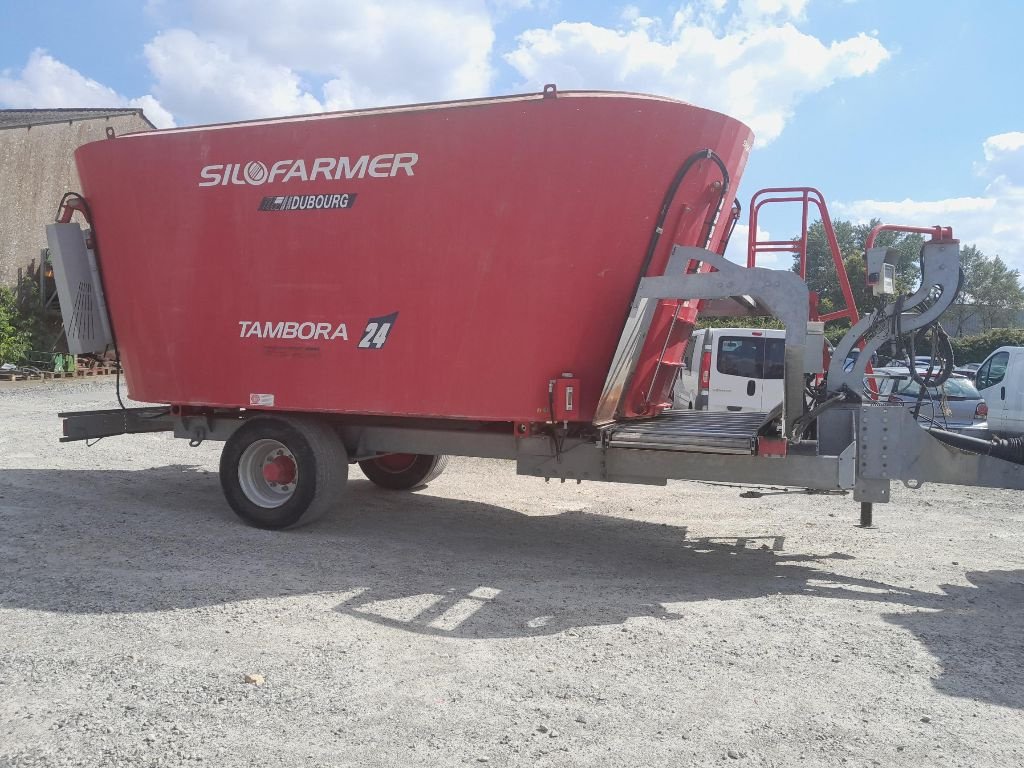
point(695, 431)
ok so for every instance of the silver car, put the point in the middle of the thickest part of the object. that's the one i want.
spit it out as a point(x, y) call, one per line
point(955, 405)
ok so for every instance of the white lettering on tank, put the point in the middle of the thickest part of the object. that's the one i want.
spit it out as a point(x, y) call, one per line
point(324, 165)
point(299, 170)
point(381, 166)
point(405, 161)
point(349, 171)
point(255, 172)
point(305, 330)
point(278, 168)
point(211, 174)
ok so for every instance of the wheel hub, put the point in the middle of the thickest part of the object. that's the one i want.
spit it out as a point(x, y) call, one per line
point(268, 473)
point(279, 470)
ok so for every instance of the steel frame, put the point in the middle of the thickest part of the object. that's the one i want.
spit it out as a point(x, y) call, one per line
point(861, 447)
point(782, 293)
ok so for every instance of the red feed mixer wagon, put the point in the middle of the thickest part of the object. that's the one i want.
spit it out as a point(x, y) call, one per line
point(513, 277)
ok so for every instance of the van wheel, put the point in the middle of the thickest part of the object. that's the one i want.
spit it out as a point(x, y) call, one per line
point(403, 471)
point(283, 471)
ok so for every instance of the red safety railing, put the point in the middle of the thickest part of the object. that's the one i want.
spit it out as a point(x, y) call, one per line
point(806, 197)
point(938, 234)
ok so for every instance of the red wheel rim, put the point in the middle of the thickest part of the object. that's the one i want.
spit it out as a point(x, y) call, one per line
point(396, 463)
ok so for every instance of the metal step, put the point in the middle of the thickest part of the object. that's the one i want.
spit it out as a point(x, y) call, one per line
point(695, 431)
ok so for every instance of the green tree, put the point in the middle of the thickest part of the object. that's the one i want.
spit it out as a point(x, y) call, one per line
point(974, 349)
point(851, 239)
point(991, 295)
point(15, 336)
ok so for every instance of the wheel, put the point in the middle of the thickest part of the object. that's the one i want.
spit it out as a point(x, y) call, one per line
point(283, 471)
point(403, 471)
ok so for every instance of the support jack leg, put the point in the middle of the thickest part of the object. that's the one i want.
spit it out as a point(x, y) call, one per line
point(866, 513)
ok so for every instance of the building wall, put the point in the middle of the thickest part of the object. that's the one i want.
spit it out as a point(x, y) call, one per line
point(971, 320)
point(36, 168)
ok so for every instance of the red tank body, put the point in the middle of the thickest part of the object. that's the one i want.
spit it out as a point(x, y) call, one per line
point(442, 260)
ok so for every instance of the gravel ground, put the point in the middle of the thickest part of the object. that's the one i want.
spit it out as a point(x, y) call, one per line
point(491, 619)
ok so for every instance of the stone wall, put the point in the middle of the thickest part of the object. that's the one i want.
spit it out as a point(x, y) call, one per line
point(36, 168)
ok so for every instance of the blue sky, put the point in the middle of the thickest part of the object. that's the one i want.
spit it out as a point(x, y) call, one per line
point(908, 110)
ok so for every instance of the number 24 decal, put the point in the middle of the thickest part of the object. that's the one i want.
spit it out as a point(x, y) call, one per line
point(377, 331)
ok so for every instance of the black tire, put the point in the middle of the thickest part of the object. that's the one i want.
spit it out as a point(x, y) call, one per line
point(420, 470)
point(320, 471)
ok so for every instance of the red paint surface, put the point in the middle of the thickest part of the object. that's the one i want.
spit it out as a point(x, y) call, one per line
point(511, 255)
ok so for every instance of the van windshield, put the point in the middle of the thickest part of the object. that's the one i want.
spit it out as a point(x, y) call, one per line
point(752, 357)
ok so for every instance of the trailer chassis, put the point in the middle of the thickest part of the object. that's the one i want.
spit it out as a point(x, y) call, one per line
point(860, 445)
point(886, 445)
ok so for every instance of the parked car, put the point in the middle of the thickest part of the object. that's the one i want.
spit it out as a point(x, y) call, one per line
point(878, 359)
point(732, 369)
point(970, 370)
point(956, 404)
point(1000, 379)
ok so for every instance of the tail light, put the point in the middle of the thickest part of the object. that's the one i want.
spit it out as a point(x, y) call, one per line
point(705, 369)
point(981, 412)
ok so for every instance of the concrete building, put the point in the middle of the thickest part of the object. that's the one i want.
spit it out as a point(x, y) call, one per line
point(37, 167)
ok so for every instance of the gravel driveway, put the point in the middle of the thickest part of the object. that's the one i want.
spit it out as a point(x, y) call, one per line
point(491, 619)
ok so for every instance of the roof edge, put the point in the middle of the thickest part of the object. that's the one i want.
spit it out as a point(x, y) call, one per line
point(107, 113)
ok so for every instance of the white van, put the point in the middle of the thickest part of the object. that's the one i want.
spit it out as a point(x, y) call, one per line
point(732, 369)
point(1000, 380)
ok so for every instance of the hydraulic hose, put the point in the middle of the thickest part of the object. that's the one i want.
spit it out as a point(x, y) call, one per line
point(666, 204)
point(1009, 449)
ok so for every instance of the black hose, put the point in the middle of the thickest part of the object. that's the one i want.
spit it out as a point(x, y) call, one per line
point(1009, 449)
point(666, 204)
point(733, 220)
point(945, 355)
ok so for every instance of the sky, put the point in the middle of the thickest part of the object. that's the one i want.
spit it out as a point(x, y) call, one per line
point(911, 111)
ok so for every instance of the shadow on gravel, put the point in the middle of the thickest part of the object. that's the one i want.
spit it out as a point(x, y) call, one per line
point(978, 635)
point(161, 539)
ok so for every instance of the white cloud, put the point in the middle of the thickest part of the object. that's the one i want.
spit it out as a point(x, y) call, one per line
point(221, 60)
point(737, 249)
point(201, 81)
point(238, 60)
point(1004, 157)
point(154, 110)
point(45, 82)
point(754, 64)
point(758, 10)
point(993, 221)
point(243, 61)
